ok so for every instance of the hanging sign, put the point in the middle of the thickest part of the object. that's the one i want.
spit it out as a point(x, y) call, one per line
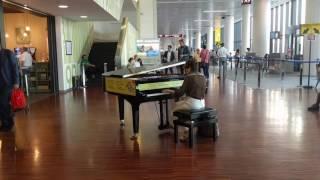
point(217, 35)
point(243, 2)
point(310, 29)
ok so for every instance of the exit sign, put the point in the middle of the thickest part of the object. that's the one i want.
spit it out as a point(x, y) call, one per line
point(243, 2)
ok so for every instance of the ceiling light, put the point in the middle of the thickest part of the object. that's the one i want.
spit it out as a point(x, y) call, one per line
point(215, 11)
point(83, 17)
point(63, 6)
point(201, 20)
point(7, 35)
point(25, 34)
point(28, 28)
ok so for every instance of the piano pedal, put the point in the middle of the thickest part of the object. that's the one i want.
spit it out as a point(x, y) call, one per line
point(134, 137)
point(164, 127)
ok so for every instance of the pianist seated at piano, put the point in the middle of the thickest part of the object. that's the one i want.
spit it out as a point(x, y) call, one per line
point(192, 92)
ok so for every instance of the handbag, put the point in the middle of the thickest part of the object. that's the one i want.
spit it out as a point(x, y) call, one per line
point(18, 100)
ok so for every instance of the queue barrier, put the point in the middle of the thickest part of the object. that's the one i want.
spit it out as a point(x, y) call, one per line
point(263, 64)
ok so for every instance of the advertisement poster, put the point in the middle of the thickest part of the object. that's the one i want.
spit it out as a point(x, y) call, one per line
point(149, 48)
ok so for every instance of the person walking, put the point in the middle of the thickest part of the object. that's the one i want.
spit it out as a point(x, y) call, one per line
point(205, 56)
point(183, 53)
point(9, 80)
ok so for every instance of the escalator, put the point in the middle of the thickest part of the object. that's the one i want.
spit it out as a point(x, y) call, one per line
point(102, 52)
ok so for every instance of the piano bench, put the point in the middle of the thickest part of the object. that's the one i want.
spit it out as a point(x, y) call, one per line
point(202, 118)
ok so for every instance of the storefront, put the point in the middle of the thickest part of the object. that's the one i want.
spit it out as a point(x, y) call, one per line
point(24, 28)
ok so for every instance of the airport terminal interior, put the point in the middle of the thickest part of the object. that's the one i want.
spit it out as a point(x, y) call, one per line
point(160, 89)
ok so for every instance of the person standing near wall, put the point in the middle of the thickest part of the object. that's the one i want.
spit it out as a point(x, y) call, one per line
point(9, 80)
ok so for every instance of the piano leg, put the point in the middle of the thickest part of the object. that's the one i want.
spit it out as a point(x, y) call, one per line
point(121, 110)
point(167, 114)
point(135, 118)
point(163, 126)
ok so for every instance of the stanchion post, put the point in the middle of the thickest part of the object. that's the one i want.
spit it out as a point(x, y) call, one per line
point(105, 67)
point(27, 84)
point(259, 75)
point(301, 72)
point(245, 71)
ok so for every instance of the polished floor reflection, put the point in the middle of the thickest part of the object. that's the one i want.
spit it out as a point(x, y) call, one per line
point(265, 134)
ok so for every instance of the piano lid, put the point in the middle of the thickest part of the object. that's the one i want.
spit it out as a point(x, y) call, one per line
point(129, 72)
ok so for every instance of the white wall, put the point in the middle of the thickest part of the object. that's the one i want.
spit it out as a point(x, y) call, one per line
point(148, 19)
point(106, 31)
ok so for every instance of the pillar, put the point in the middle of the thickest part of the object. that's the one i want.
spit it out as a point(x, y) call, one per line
point(210, 38)
point(148, 19)
point(312, 16)
point(261, 27)
point(229, 33)
point(198, 40)
point(246, 32)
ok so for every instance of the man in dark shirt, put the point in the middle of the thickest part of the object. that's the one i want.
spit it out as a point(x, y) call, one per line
point(183, 53)
point(9, 79)
point(169, 56)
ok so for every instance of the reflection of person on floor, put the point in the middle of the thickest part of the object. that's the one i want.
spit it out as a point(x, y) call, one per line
point(9, 80)
point(315, 107)
point(193, 90)
point(88, 67)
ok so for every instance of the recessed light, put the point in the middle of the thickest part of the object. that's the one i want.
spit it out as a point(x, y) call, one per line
point(7, 35)
point(83, 17)
point(63, 6)
point(215, 11)
point(201, 20)
point(28, 28)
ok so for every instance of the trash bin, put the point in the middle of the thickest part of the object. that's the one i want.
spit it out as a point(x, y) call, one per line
point(75, 82)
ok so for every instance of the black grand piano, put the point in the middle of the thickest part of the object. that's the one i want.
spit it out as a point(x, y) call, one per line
point(140, 85)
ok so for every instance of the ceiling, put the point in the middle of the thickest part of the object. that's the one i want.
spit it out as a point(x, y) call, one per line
point(76, 9)
point(178, 16)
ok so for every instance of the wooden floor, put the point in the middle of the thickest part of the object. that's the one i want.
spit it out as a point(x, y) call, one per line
point(264, 135)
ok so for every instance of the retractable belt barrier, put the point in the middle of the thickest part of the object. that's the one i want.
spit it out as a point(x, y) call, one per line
point(260, 62)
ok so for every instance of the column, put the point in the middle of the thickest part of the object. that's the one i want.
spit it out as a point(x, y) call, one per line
point(148, 19)
point(198, 40)
point(210, 38)
point(312, 16)
point(261, 27)
point(229, 33)
point(245, 28)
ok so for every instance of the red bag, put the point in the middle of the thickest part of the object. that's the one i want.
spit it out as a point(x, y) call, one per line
point(18, 100)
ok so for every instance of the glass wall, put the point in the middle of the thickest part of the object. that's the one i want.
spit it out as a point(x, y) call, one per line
point(286, 17)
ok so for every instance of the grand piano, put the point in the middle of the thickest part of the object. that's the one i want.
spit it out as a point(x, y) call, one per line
point(140, 85)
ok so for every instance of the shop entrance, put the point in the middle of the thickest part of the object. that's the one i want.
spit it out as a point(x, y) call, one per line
point(29, 35)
